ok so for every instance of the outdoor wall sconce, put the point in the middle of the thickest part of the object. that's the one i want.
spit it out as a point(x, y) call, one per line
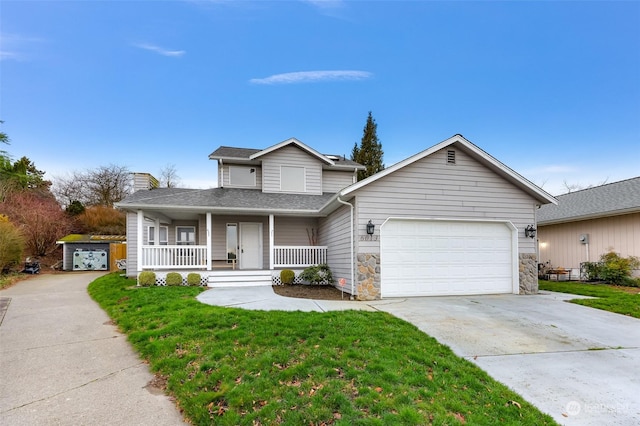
point(370, 228)
point(530, 231)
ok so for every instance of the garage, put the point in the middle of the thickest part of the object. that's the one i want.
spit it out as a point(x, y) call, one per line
point(427, 257)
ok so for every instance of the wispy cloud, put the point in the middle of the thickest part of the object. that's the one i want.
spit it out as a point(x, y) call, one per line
point(15, 45)
point(312, 77)
point(159, 50)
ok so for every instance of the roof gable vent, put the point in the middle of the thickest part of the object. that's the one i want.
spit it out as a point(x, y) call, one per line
point(451, 157)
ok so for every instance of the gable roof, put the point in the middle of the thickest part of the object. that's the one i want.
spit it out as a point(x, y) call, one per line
point(606, 200)
point(475, 152)
point(250, 155)
point(229, 152)
point(297, 143)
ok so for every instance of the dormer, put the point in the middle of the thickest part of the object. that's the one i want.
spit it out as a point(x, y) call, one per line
point(287, 167)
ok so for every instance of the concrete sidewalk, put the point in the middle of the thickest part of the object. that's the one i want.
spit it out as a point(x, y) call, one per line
point(263, 298)
point(62, 362)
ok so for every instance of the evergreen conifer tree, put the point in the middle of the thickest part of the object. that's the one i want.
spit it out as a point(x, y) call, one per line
point(369, 153)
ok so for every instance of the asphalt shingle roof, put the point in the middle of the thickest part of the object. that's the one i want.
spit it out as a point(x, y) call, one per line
point(605, 200)
point(229, 152)
point(225, 198)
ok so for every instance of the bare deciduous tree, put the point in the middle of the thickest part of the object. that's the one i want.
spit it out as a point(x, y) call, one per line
point(577, 187)
point(169, 177)
point(103, 186)
point(39, 217)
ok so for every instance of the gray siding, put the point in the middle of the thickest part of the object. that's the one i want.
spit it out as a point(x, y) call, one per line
point(334, 181)
point(132, 244)
point(335, 234)
point(431, 188)
point(291, 156)
point(294, 231)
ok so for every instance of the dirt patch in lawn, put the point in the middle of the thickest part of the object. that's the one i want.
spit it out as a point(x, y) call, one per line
point(318, 292)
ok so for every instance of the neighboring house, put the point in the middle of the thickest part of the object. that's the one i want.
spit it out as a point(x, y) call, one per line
point(588, 223)
point(82, 252)
point(448, 220)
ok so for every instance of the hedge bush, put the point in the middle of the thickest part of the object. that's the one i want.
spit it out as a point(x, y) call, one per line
point(193, 279)
point(616, 269)
point(174, 278)
point(319, 274)
point(287, 276)
point(147, 278)
point(11, 245)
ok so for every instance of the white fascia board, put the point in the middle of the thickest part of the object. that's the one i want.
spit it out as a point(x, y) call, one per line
point(149, 209)
point(293, 141)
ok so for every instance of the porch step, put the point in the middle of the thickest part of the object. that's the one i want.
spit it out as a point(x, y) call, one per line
point(238, 278)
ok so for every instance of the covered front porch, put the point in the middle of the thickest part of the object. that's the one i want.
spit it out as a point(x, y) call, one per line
point(227, 245)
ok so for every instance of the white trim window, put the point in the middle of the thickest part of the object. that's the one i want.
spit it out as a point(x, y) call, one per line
point(292, 179)
point(164, 235)
point(232, 242)
point(242, 176)
point(185, 235)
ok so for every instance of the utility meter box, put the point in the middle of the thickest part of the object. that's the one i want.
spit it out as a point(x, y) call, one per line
point(90, 260)
point(584, 238)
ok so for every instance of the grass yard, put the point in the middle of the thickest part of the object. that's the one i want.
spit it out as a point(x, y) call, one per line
point(238, 367)
point(625, 301)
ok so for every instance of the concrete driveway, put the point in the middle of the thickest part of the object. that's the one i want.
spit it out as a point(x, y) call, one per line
point(62, 362)
point(578, 364)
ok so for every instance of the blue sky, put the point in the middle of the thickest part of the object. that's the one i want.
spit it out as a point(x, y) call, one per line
point(552, 89)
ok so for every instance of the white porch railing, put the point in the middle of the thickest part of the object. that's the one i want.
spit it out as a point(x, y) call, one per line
point(174, 257)
point(293, 256)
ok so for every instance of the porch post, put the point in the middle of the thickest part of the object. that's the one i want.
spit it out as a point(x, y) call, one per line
point(209, 230)
point(156, 232)
point(139, 240)
point(271, 237)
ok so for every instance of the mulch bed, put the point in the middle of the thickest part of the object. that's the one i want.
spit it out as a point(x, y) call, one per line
point(305, 291)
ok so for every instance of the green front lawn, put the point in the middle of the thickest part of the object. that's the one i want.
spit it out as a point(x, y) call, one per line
point(609, 298)
point(233, 366)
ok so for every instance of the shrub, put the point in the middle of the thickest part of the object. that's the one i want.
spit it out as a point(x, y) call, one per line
point(147, 278)
point(11, 245)
point(287, 276)
point(174, 278)
point(617, 269)
point(318, 274)
point(193, 279)
point(591, 270)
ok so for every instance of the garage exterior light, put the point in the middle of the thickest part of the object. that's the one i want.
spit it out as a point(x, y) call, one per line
point(370, 228)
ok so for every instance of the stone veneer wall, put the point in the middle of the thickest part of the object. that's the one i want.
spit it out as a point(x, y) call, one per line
point(368, 276)
point(528, 268)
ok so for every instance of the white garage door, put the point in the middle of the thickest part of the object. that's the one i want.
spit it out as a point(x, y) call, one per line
point(436, 258)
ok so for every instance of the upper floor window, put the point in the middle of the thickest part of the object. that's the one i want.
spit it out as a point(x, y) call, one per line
point(242, 176)
point(292, 179)
point(185, 235)
point(164, 235)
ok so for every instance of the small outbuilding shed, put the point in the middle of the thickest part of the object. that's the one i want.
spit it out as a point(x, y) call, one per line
point(81, 252)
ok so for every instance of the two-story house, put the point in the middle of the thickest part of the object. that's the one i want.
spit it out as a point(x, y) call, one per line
point(448, 220)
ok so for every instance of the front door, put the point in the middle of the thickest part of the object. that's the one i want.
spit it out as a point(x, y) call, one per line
point(250, 245)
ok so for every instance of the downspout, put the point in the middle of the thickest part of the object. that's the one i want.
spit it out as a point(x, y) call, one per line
point(352, 243)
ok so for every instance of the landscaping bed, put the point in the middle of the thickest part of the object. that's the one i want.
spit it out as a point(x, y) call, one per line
point(306, 291)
